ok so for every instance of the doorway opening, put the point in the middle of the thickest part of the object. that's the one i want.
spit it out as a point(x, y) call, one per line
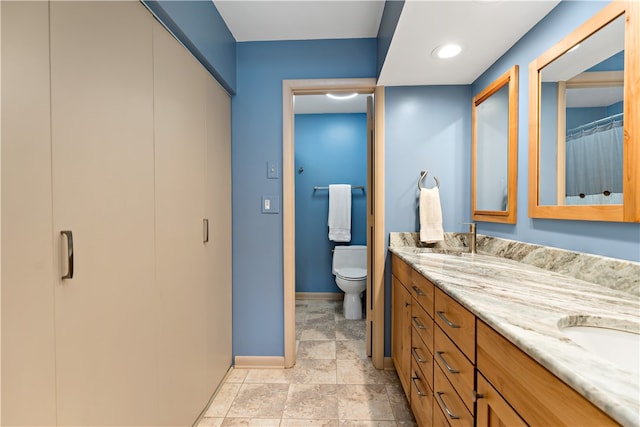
point(374, 190)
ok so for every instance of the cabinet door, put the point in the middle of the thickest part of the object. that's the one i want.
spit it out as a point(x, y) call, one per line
point(103, 181)
point(401, 333)
point(28, 362)
point(186, 297)
point(218, 214)
point(493, 410)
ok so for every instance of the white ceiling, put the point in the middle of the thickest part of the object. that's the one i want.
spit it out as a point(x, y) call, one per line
point(485, 29)
point(319, 104)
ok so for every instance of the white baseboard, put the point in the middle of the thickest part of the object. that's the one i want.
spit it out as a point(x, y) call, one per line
point(331, 296)
point(274, 362)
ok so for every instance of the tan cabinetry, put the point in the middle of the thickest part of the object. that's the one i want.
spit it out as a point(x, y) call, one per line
point(452, 350)
point(113, 132)
point(454, 356)
point(536, 395)
point(401, 332)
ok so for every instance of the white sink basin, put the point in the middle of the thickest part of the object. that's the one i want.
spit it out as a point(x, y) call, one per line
point(619, 347)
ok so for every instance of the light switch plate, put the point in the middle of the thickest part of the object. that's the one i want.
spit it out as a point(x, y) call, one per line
point(272, 170)
point(270, 204)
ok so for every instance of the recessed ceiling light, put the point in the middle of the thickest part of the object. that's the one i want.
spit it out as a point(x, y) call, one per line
point(342, 96)
point(446, 51)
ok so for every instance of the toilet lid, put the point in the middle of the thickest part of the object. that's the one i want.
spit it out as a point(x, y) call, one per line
point(352, 273)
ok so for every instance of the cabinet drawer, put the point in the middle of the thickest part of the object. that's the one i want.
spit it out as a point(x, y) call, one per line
point(539, 397)
point(423, 357)
point(455, 366)
point(421, 398)
point(455, 412)
point(422, 324)
point(439, 419)
point(422, 291)
point(401, 270)
point(457, 322)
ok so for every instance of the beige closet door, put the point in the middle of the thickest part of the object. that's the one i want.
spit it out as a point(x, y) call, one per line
point(28, 363)
point(186, 299)
point(103, 191)
point(218, 212)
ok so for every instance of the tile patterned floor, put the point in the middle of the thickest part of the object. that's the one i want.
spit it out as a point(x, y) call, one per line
point(332, 384)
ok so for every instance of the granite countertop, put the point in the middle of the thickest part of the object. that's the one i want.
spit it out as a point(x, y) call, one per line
point(526, 304)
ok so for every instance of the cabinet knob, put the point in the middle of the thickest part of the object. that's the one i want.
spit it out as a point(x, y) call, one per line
point(475, 396)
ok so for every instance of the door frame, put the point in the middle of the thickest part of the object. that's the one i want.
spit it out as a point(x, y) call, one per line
point(375, 223)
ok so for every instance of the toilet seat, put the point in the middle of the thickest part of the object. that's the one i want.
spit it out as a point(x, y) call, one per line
point(351, 274)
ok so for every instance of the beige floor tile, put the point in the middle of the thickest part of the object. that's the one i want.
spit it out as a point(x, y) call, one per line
point(361, 371)
point(316, 350)
point(312, 401)
point(268, 376)
point(406, 424)
point(351, 349)
point(237, 375)
point(259, 401)
point(311, 371)
point(251, 422)
point(210, 422)
point(325, 331)
point(364, 402)
point(319, 318)
point(223, 400)
point(350, 330)
point(399, 404)
point(308, 423)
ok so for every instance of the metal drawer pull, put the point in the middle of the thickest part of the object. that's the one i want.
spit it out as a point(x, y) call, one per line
point(444, 405)
point(418, 324)
point(446, 365)
point(69, 235)
point(420, 393)
point(418, 291)
point(417, 356)
point(205, 230)
point(445, 320)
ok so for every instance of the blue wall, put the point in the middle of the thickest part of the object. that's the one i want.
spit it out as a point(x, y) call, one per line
point(332, 149)
point(200, 27)
point(256, 127)
point(618, 240)
point(426, 128)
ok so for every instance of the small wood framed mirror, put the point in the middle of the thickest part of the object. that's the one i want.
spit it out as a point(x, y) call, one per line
point(494, 150)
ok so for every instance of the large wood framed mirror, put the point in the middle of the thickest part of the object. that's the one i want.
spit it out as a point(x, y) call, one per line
point(494, 150)
point(584, 121)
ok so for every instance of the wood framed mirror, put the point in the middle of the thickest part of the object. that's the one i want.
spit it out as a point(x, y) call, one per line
point(584, 121)
point(494, 150)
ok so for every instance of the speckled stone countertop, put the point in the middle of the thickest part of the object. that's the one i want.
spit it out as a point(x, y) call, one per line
point(526, 304)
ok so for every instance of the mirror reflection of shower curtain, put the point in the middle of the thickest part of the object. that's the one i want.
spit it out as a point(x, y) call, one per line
point(594, 164)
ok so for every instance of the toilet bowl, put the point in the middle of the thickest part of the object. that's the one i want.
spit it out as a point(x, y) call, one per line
point(350, 269)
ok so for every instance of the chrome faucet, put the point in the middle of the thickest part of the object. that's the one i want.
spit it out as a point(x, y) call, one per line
point(472, 237)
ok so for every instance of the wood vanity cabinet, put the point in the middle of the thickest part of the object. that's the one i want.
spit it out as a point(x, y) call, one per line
point(441, 350)
point(534, 393)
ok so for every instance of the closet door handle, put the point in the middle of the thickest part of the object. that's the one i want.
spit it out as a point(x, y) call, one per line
point(69, 235)
point(205, 230)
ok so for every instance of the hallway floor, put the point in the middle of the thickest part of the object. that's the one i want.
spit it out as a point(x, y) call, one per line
point(332, 384)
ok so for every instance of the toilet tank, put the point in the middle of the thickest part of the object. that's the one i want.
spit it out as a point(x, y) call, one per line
point(354, 256)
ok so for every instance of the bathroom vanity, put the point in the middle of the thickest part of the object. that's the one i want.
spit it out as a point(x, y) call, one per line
point(479, 338)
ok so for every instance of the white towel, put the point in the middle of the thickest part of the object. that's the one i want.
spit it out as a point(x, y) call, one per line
point(430, 216)
point(340, 213)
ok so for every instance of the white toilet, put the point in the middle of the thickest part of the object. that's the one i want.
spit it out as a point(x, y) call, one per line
point(350, 269)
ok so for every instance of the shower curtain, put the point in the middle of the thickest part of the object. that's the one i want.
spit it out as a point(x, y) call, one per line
point(594, 163)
